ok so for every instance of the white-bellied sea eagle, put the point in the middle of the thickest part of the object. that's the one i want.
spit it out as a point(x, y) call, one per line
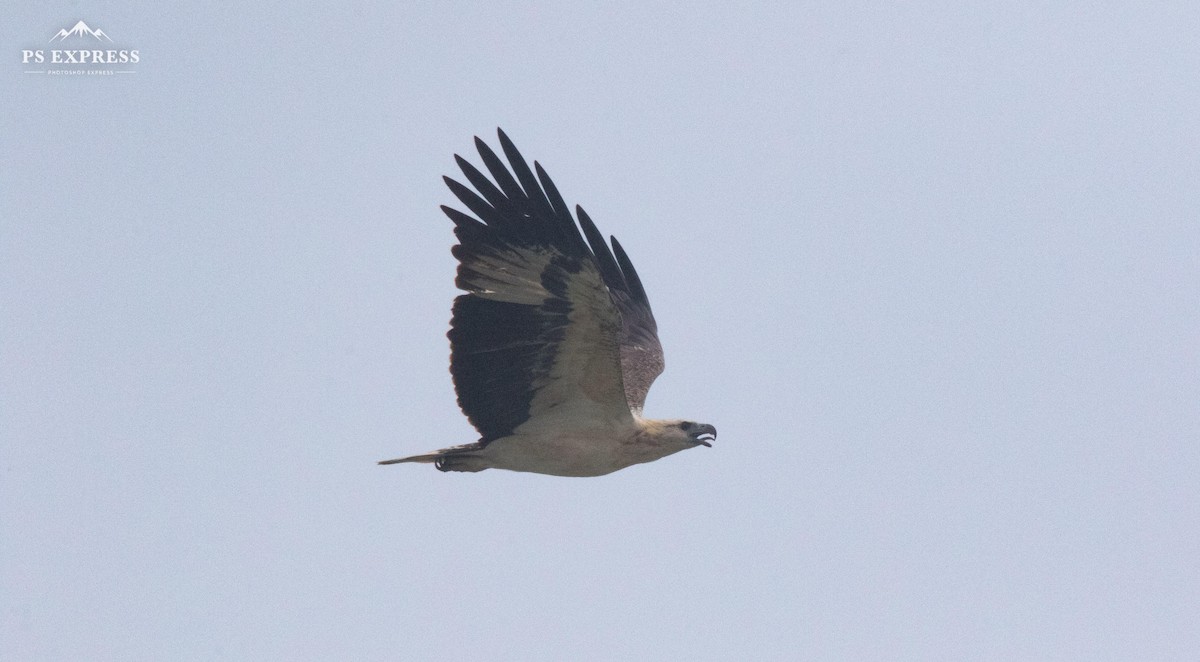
point(553, 347)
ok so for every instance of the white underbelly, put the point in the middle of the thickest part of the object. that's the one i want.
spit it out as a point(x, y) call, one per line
point(560, 455)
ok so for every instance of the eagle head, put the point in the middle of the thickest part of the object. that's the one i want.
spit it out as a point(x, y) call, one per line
point(697, 434)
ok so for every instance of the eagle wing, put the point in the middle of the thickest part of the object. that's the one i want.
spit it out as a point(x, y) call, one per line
point(641, 352)
point(551, 326)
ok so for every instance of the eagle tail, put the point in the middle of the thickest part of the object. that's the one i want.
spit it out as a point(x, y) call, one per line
point(431, 457)
point(457, 458)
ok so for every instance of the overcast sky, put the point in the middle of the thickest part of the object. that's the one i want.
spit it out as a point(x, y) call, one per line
point(932, 270)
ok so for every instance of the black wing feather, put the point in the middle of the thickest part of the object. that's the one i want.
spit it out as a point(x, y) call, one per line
point(476, 204)
point(562, 212)
point(636, 291)
point(500, 173)
point(608, 266)
point(493, 196)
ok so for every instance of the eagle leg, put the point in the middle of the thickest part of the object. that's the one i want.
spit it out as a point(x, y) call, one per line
point(460, 462)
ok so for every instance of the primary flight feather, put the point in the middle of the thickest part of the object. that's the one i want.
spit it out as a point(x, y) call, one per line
point(554, 346)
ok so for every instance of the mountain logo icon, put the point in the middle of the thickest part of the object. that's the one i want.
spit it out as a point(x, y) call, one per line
point(81, 29)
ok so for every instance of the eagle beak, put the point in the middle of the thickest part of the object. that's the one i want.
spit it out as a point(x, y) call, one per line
point(706, 434)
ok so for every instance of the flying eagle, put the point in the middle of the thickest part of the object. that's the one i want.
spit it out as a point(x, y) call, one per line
point(553, 347)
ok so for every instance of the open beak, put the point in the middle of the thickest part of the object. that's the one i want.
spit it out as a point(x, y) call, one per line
point(707, 434)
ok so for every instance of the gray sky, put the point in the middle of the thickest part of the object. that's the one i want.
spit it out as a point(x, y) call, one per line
point(931, 270)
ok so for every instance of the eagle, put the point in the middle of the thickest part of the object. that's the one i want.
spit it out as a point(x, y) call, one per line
point(553, 346)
